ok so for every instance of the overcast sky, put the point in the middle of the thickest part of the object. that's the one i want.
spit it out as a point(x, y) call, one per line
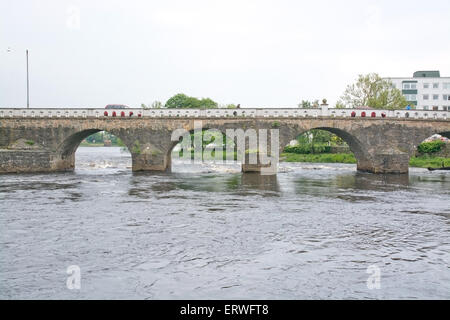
point(256, 53)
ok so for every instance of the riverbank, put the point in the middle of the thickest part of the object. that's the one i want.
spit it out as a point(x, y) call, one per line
point(101, 144)
point(418, 162)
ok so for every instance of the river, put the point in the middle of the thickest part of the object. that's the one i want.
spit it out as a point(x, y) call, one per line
point(211, 232)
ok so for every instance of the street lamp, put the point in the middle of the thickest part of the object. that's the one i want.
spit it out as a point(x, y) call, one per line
point(28, 86)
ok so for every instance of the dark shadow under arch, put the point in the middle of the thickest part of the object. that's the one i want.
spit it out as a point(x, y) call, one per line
point(445, 134)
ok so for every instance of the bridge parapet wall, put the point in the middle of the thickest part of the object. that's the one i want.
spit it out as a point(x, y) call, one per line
point(222, 113)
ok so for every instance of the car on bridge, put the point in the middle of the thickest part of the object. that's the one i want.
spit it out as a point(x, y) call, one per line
point(116, 106)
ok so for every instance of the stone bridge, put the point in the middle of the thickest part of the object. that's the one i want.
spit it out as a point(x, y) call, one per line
point(45, 140)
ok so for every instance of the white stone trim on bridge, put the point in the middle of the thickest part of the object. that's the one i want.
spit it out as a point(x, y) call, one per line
point(221, 113)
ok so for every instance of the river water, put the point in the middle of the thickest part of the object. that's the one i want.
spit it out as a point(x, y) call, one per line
point(210, 232)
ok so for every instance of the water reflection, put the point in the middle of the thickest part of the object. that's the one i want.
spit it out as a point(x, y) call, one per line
point(255, 181)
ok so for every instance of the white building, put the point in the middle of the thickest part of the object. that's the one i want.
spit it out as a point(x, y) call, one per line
point(426, 90)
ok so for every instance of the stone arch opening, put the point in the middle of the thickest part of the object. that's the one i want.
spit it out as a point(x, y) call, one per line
point(349, 143)
point(209, 146)
point(99, 149)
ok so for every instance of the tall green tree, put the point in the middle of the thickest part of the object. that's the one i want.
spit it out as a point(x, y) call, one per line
point(183, 101)
point(373, 91)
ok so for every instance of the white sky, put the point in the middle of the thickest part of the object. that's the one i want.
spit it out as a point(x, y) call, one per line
point(256, 53)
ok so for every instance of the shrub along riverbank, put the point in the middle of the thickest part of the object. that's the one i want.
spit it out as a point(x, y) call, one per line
point(419, 162)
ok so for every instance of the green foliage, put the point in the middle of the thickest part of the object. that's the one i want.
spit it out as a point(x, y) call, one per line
point(429, 162)
point(96, 138)
point(340, 105)
point(431, 147)
point(29, 142)
point(315, 141)
point(276, 124)
point(231, 106)
point(120, 143)
point(308, 149)
point(157, 105)
point(183, 101)
point(419, 162)
point(154, 105)
point(136, 149)
point(305, 104)
point(320, 158)
point(373, 91)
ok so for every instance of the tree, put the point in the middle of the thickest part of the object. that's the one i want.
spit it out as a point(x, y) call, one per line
point(157, 104)
point(373, 91)
point(305, 104)
point(183, 101)
point(339, 105)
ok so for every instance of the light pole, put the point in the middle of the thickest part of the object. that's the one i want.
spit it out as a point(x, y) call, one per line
point(28, 86)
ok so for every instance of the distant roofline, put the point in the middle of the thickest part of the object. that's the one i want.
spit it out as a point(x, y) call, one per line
point(421, 74)
point(427, 74)
point(415, 78)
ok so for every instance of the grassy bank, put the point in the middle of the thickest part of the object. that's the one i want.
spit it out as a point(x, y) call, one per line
point(87, 144)
point(429, 162)
point(319, 158)
point(419, 162)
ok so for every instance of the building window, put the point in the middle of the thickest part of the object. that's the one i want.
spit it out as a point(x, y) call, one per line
point(435, 108)
point(413, 85)
point(426, 85)
point(446, 85)
point(411, 97)
point(435, 97)
point(425, 107)
point(406, 86)
point(446, 97)
point(436, 85)
point(445, 108)
point(426, 97)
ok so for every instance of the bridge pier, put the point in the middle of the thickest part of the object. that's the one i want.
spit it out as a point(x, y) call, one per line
point(255, 163)
point(24, 161)
point(385, 163)
point(151, 162)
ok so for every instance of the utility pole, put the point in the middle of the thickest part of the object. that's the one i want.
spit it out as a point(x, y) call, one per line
point(28, 86)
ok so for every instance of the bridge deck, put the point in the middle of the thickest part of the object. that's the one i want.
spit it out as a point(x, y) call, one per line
point(219, 113)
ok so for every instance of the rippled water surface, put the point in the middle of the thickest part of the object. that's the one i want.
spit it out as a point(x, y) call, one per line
point(210, 232)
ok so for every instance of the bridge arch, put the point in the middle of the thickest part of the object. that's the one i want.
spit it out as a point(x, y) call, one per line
point(356, 146)
point(68, 147)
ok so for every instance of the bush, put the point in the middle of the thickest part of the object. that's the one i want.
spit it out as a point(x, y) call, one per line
point(308, 149)
point(431, 147)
